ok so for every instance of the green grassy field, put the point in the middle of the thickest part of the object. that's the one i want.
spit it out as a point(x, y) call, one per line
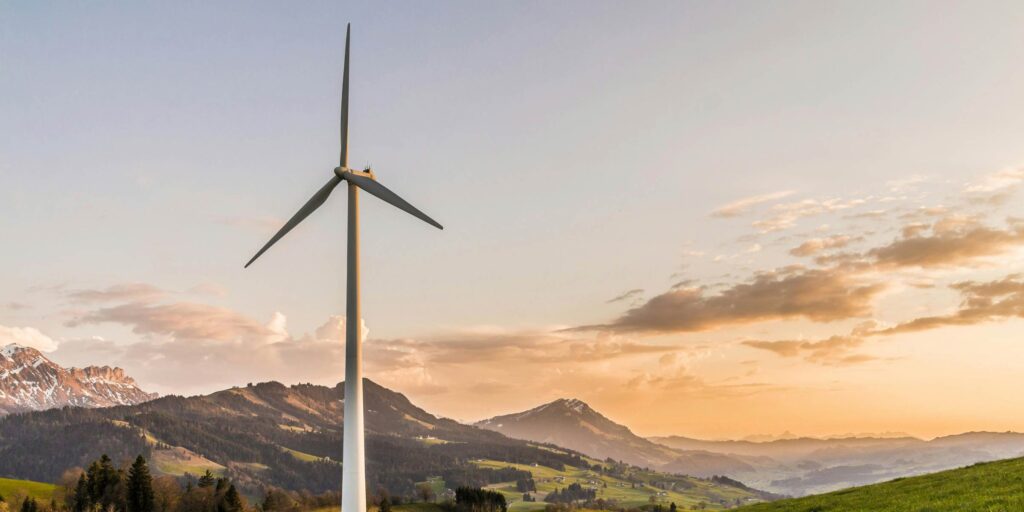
point(689, 491)
point(177, 462)
point(436, 483)
point(987, 487)
point(303, 456)
point(10, 488)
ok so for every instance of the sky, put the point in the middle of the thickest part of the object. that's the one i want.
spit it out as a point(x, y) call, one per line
point(714, 219)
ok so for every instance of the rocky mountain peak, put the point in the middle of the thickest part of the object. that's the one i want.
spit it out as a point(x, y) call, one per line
point(29, 381)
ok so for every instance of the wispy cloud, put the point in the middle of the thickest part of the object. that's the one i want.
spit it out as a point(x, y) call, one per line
point(744, 205)
point(626, 296)
point(816, 245)
point(181, 320)
point(119, 292)
point(786, 215)
point(832, 351)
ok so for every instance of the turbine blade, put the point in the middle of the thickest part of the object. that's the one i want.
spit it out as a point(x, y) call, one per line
point(344, 103)
point(383, 193)
point(308, 208)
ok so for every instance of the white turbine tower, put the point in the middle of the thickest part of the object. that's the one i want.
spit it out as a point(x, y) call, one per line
point(353, 488)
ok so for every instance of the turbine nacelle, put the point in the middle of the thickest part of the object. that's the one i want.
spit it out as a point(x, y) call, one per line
point(341, 172)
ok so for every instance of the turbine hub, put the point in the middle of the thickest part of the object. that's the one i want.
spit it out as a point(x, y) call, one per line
point(342, 171)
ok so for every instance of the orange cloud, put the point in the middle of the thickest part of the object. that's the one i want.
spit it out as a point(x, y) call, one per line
point(981, 302)
point(948, 245)
point(835, 350)
point(816, 245)
point(793, 292)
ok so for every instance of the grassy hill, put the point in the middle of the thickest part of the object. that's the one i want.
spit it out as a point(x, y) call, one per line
point(989, 486)
point(10, 488)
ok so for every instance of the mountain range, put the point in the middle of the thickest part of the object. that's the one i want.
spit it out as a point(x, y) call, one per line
point(270, 434)
point(290, 436)
point(789, 465)
point(31, 382)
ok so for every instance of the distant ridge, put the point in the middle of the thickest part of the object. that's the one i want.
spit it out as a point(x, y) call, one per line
point(29, 381)
point(572, 423)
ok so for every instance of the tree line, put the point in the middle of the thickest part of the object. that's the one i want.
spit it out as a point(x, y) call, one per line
point(103, 487)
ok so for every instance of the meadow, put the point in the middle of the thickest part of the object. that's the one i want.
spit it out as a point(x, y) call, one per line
point(10, 488)
point(985, 487)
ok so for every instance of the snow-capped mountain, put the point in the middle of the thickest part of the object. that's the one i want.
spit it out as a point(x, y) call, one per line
point(31, 382)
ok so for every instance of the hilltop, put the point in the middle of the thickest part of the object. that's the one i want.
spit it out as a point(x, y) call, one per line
point(573, 424)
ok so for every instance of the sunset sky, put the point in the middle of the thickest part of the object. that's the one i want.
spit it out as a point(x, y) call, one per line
point(712, 219)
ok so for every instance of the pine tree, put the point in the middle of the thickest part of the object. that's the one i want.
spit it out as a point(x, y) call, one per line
point(672, 507)
point(103, 480)
point(29, 505)
point(80, 501)
point(140, 487)
point(207, 480)
point(94, 484)
point(232, 501)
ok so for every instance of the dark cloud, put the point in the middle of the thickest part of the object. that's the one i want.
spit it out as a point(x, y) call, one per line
point(627, 295)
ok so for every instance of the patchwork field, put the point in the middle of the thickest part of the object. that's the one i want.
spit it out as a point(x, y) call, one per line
point(633, 489)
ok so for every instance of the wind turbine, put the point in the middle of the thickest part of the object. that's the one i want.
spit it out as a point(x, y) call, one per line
point(353, 488)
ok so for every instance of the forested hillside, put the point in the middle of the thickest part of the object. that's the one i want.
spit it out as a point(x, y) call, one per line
point(266, 434)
